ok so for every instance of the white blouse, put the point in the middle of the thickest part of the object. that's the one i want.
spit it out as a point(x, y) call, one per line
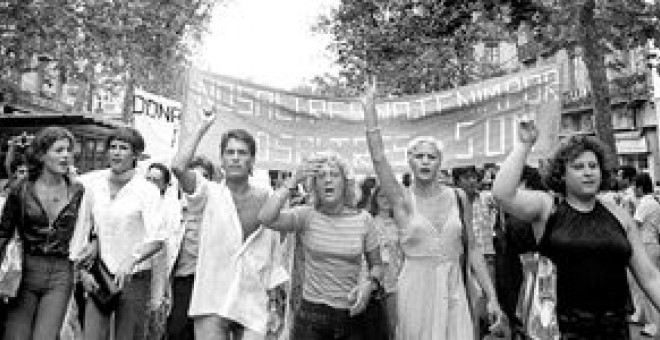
point(126, 222)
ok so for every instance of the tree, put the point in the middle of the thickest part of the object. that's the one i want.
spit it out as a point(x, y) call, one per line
point(413, 46)
point(103, 43)
point(595, 28)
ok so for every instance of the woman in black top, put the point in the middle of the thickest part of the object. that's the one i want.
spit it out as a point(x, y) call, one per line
point(44, 210)
point(592, 243)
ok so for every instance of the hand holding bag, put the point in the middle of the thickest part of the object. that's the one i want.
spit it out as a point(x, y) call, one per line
point(107, 294)
point(538, 304)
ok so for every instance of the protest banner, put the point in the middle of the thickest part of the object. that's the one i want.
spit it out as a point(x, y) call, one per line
point(158, 120)
point(476, 123)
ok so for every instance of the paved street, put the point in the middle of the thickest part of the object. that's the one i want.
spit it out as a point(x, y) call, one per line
point(635, 332)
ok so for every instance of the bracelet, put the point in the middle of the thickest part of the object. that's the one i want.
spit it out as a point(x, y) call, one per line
point(373, 129)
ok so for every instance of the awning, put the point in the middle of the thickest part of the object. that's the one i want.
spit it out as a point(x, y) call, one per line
point(82, 123)
point(632, 142)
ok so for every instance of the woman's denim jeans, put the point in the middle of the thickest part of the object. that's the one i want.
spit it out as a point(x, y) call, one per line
point(315, 321)
point(38, 310)
point(130, 314)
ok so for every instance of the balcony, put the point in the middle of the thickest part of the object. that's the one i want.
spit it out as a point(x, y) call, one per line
point(635, 87)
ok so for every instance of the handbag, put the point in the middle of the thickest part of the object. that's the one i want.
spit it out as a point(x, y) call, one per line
point(538, 299)
point(470, 293)
point(106, 296)
point(11, 267)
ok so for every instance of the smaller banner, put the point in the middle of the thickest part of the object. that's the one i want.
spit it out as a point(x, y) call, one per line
point(158, 120)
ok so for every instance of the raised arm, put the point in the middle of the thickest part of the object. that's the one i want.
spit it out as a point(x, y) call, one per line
point(527, 205)
point(271, 214)
point(641, 266)
point(187, 148)
point(388, 181)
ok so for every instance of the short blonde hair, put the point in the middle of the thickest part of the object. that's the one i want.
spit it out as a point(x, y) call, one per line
point(333, 159)
point(413, 144)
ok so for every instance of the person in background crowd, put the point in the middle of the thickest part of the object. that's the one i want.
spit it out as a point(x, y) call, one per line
point(163, 261)
point(48, 210)
point(445, 177)
point(626, 176)
point(483, 220)
point(159, 175)
point(405, 180)
point(335, 237)
point(184, 245)
point(590, 241)
point(19, 170)
point(432, 300)
point(390, 250)
point(513, 237)
point(129, 230)
point(647, 216)
point(366, 188)
point(235, 267)
point(16, 163)
point(483, 212)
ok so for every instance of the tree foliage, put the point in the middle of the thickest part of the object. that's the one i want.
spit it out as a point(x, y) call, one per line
point(103, 42)
point(592, 28)
point(413, 46)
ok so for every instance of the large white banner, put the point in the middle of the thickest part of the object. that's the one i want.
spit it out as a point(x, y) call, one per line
point(158, 120)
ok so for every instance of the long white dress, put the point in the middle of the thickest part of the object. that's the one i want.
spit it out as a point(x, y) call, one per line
point(432, 303)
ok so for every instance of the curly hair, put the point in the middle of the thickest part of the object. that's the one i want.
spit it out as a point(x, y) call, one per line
point(42, 141)
point(571, 149)
point(333, 159)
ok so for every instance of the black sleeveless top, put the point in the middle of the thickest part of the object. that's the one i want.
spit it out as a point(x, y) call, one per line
point(591, 253)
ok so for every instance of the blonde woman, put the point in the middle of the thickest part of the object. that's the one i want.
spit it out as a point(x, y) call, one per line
point(335, 237)
point(431, 295)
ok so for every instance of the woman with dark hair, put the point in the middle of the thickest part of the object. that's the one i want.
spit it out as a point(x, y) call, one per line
point(591, 242)
point(45, 211)
point(390, 251)
point(335, 237)
point(129, 230)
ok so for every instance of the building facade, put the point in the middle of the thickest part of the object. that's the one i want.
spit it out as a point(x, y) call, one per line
point(634, 116)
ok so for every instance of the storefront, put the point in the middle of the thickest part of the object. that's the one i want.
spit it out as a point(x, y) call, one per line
point(90, 134)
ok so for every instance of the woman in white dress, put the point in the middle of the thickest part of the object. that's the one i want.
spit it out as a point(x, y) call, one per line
point(432, 301)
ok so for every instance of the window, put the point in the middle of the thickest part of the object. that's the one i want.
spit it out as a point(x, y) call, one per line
point(492, 52)
point(623, 118)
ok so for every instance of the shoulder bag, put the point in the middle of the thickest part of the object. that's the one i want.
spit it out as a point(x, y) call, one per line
point(11, 267)
point(470, 293)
